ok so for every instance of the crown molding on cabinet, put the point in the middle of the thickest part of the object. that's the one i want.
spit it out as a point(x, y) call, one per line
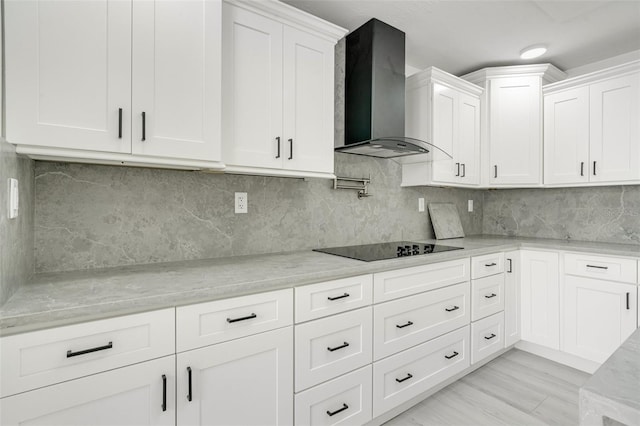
point(291, 16)
point(425, 76)
point(570, 83)
point(548, 72)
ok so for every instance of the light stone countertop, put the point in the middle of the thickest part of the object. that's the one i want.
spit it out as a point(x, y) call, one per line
point(57, 299)
point(614, 389)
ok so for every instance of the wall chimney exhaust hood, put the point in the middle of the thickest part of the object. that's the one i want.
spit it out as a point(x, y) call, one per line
point(374, 96)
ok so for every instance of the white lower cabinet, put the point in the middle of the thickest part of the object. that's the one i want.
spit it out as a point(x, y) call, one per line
point(597, 316)
point(487, 337)
point(247, 381)
point(403, 376)
point(345, 400)
point(140, 394)
point(512, 301)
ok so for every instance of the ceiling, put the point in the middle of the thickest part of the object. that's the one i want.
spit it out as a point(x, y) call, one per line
point(463, 36)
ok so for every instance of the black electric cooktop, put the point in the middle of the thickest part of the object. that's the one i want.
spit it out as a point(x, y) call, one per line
point(380, 251)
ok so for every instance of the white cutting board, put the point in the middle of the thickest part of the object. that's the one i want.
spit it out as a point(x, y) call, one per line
point(445, 220)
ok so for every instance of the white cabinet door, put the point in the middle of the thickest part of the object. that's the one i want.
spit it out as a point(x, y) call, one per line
point(515, 131)
point(251, 89)
point(468, 144)
point(445, 132)
point(615, 129)
point(598, 316)
point(68, 73)
point(512, 302)
point(248, 381)
point(176, 79)
point(308, 102)
point(566, 136)
point(540, 298)
point(141, 394)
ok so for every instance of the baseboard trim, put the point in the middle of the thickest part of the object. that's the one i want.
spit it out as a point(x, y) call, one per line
point(560, 357)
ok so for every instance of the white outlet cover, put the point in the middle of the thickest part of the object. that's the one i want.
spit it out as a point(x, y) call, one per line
point(420, 204)
point(470, 208)
point(242, 202)
point(14, 198)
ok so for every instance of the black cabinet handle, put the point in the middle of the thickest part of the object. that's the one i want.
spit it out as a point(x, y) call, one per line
point(510, 270)
point(248, 317)
point(290, 149)
point(457, 169)
point(495, 171)
point(404, 325)
point(144, 126)
point(453, 355)
point(119, 123)
point(278, 141)
point(88, 351)
point(464, 170)
point(409, 375)
point(339, 410)
point(582, 168)
point(488, 265)
point(455, 308)
point(164, 392)
point(338, 297)
point(490, 296)
point(594, 168)
point(338, 347)
point(628, 301)
point(597, 267)
point(490, 337)
point(190, 393)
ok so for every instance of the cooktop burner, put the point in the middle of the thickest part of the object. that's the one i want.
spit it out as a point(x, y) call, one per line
point(380, 251)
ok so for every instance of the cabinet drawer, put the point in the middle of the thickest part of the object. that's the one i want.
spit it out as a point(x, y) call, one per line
point(487, 337)
point(328, 347)
point(489, 264)
point(333, 297)
point(405, 282)
point(345, 400)
point(602, 267)
point(407, 374)
point(41, 358)
point(407, 322)
point(487, 296)
point(214, 322)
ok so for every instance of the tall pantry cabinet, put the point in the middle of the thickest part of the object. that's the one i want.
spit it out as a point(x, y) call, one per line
point(118, 82)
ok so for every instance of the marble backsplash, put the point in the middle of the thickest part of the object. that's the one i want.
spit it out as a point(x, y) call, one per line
point(16, 235)
point(605, 214)
point(90, 216)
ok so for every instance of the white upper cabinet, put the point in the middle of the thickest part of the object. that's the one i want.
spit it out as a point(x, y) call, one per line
point(68, 73)
point(278, 85)
point(444, 110)
point(512, 121)
point(592, 130)
point(119, 82)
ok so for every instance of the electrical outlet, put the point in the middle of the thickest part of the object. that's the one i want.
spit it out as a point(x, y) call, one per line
point(470, 208)
point(242, 202)
point(420, 204)
point(14, 198)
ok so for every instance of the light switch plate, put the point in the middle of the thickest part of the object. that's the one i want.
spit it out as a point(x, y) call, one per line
point(14, 198)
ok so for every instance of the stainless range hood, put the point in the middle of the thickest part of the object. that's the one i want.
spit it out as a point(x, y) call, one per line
point(374, 96)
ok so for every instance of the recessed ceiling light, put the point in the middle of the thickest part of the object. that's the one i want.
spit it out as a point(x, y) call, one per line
point(533, 52)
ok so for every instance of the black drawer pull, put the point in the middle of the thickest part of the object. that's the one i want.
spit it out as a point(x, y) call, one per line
point(597, 267)
point(464, 170)
point(252, 316)
point(290, 149)
point(189, 394)
point(164, 392)
point(119, 123)
point(88, 351)
point(404, 325)
point(144, 126)
point(339, 410)
point(491, 336)
point(278, 139)
point(455, 308)
point(338, 297)
point(510, 270)
point(594, 168)
point(488, 265)
point(404, 378)
point(457, 169)
point(490, 296)
point(582, 168)
point(453, 355)
point(495, 171)
point(338, 347)
point(628, 301)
